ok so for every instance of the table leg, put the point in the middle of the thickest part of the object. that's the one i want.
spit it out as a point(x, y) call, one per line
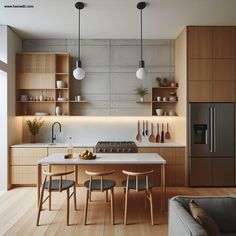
point(163, 187)
point(39, 180)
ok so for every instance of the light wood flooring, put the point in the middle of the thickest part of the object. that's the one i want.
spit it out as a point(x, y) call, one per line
point(18, 213)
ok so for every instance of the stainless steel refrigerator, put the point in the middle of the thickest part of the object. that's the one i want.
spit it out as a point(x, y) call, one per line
point(211, 144)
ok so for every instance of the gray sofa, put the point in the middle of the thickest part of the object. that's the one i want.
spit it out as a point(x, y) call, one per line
point(221, 208)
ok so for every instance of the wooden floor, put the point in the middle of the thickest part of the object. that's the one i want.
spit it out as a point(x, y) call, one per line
point(18, 213)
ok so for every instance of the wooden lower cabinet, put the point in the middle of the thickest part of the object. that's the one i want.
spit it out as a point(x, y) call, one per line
point(23, 165)
point(175, 164)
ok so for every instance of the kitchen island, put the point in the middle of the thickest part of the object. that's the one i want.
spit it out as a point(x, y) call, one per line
point(106, 159)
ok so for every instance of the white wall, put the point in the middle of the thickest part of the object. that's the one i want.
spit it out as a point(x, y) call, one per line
point(11, 128)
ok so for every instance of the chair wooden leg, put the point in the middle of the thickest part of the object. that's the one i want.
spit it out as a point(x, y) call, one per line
point(126, 206)
point(75, 205)
point(106, 195)
point(151, 206)
point(68, 207)
point(112, 206)
point(86, 207)
point(49, 200)
point(40, 205)
point(90, 196)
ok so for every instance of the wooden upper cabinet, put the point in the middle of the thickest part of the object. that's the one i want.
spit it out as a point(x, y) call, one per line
point(199, 40)
point(224, 42)
point(200, 69)
point(224, 69)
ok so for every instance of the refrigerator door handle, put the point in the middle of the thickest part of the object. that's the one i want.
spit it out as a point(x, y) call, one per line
point(214, 129)
point(211, 129)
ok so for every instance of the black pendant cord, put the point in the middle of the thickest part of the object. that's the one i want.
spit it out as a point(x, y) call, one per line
point(79, 38)
point(141, 35)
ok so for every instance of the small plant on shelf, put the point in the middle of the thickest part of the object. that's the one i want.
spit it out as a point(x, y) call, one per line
point(141, 92)
point(34, 127)
point(165, 82)
point(158, 81)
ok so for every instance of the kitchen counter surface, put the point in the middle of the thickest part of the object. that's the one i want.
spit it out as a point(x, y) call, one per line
point(104, 158)
point(58, 145)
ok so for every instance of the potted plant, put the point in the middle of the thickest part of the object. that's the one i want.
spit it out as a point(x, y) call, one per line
point(158, 81)
point(165, 82)
point(34, 127)
point(141, 92)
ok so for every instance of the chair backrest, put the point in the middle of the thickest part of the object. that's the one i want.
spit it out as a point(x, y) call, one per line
point(136, 175)
point(55, 174)
point(99, 174)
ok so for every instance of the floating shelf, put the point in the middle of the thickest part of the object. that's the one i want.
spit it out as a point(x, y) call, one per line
point(35, 89)
point(82, 101)
point(36, 101)
point(143, 102)
point(165, 87)
point(165, 102)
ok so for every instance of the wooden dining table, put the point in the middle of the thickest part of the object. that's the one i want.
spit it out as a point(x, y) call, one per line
point(106, 159)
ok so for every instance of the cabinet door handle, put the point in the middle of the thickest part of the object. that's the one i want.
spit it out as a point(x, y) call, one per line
point(214, 131)
point(211, 131)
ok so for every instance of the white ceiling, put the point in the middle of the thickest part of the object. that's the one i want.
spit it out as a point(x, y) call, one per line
point(114, 18)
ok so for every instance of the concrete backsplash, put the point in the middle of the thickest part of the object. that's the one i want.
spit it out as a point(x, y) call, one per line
point(89, 130)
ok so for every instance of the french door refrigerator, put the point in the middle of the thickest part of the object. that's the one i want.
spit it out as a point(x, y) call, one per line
point(211, 144)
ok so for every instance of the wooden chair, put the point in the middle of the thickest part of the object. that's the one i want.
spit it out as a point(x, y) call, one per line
point(138, 185)
point(99, 185)
point(56, 185)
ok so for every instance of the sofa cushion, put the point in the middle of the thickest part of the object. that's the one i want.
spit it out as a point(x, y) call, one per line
point(204, 219)
point(221, 208)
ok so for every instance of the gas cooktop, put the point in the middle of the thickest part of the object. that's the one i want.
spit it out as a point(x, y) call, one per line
point(116, 147)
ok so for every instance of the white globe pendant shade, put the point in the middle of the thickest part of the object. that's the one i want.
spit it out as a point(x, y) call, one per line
point(79, 73)
point(141, 73)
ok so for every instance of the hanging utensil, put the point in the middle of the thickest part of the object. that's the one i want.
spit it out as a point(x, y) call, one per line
point(151, 137)
point(138, 135)
point(167, 135)
point(162, 133)
point(158, 134)
point(143, 128)
point(147, 128)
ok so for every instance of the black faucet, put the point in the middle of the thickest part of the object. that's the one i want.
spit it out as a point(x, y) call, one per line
point(54, 136)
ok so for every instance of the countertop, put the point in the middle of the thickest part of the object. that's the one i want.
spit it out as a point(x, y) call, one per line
point(103, 158)
point(58, 145)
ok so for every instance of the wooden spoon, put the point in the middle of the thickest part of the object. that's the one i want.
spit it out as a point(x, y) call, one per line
point(162, 133)
point(158, 134)
point(167, 135)
point(143, 128)
point(152, 137)
point(138, 136)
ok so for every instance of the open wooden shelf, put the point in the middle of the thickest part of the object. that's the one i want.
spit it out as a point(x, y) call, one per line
point(36, 74)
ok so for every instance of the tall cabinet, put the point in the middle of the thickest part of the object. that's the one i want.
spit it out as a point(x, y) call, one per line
point(208, 66)
point(211, 63)
point(37, 90)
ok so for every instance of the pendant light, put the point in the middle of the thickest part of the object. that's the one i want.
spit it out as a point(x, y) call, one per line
point(141, 72)
point(78, 72)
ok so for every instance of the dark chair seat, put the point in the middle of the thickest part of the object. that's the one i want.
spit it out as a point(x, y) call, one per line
point(141, 184)
point(96, 184)
point(66, 184)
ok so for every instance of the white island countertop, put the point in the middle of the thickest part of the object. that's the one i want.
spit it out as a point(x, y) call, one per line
point(117, 158)
point(84, 145)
